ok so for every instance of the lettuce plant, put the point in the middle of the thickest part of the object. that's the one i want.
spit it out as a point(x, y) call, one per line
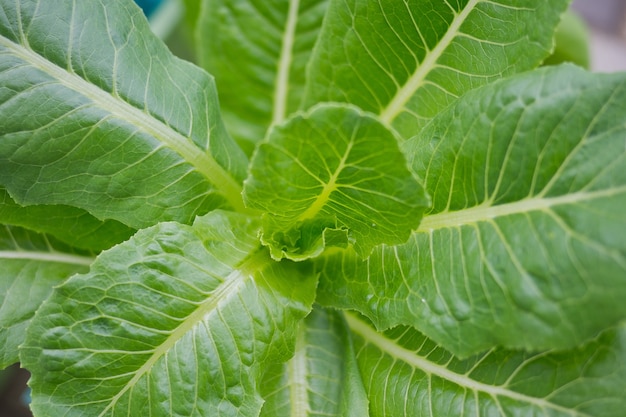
point(375, 208)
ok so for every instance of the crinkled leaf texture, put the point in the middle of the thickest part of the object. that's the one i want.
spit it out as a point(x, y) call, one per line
point(406, 374)
point(332, 176)
point(322, 379)
point(524, 245)
point(179, 320)
point(105, 118)
point(258, 51)
point(30, 265)
point(407, 60)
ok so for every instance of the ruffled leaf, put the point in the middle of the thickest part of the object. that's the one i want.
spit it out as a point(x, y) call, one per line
point(179, 320)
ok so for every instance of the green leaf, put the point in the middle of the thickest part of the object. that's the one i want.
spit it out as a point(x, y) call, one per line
point(322, 379)
point(571, 42)
point(406, 374)
point(407, 61)
point(258, 52)
point(524, 245)
point(31, 265)
point(334, 170)
point(177, 321)
point(69, 224)
point(192, 14)
point(105, 118)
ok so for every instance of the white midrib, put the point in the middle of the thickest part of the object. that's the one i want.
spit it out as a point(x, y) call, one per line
point(298, 371)
point(200, 159)
point(57, 257)
point(487, 211)
point(415, 81)
point(329, 187)
point(396, 351)
point(281, 89)
point(232, 284)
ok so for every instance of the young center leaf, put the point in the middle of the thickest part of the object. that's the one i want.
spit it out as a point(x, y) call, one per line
point(30, 264)
point(179, 320)
point(105, 118)
point(407, 60)
point(406, 374)
point(524, 245)
point(258, 52)
point(322, 378)
point(332, 176)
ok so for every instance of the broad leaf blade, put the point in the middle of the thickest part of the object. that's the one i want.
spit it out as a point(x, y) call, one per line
point(69, 224)
point(258, 51)
point(31, 265)
point(97, 113)
point(406, 374)
point(322, 379)
point(407, 61)
point(176, 321)
point(330, 172)
point(524, 246)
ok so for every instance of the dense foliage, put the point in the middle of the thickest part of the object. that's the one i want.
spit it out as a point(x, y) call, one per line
point(375, 208)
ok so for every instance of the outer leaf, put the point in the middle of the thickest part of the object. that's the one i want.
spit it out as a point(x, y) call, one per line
point(98, 114)
point(407, 60)
point(524, 246)
point(407, 374)
point(258, 51)
point(73, 226)
point(30, 265)
point(176, 321)
point(571, 42)
point(192, 13)
point(333, 168)
point(322, 379)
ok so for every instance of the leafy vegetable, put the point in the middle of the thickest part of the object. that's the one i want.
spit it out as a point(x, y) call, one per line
point(258, 50)
point(173, 308)
point(406, 61)
point(130, 133)
point(408, 374)
point(456, 214)
point(73, 226)
point(322, 377)
point(529, 224)
point(31, 265)
point(341, 185)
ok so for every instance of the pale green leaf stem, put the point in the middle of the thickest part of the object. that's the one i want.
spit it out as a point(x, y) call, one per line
point(31, 265)
point(132, 133)
point(488, 211)
point(297, 373)
point(281, 90)
point(258, 50)
point(54, 257)
point(334, 169)
point(406, 374)
point(322, 379)
point(120, 109)
point(528, 184)
point(416, 80)
point(178, 320)
point(407, 61)
point(103, 131)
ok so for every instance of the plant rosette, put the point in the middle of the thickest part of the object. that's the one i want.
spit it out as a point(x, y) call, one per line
point(369, 207)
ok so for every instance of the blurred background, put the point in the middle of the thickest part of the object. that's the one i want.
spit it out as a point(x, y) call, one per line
point(606, 22)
